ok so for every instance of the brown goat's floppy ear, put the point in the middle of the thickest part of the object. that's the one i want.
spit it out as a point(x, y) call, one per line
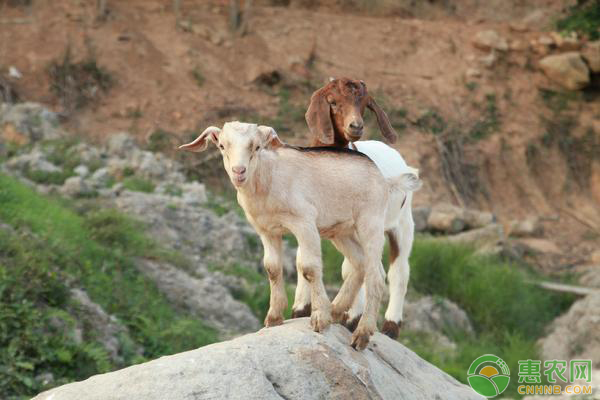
point(200, 143)
point(382, 120)
point(269, 137)
point(318, 118)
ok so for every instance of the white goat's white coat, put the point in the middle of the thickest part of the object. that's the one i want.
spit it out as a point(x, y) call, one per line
point(285, 189)
point(398, 221)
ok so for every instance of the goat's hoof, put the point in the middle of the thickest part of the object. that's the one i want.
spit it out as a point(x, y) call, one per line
point(338, 315)
point(351, 324)
point(319, 321)
point(360, 338)
point(391, 328)
point(271, 321)
point(303, 312)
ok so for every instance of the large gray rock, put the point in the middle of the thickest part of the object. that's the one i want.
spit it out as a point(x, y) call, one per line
point(208, 298)
point(567, 69)
point(436, 315)
point(28, 122)
point(35, 161)
point(574, 335)
point(286, 362)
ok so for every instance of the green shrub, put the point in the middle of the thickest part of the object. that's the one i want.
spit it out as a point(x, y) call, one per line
point(138, 184)
point(495, 294)
point(583, 18)
point(95, 252)
point(198, 77)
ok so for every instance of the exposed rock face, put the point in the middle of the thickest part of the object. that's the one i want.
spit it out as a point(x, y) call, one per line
point(28, 122)
point(530, 226)
point(105, 326)
point(447, 218)
point(575, 334)
point(289, 362)
point(205, 296)
point(490, 39)
point(430, 314)
point(488, 239)
point(567, 69)
point(591, 54)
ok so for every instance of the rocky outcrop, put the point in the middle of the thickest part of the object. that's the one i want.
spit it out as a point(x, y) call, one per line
point(430, 314)
point(490, 39)
point(207, 297)
point(567, 69)
point(591, 54)
point(575, 334)
point(28, 122)
point(287, 362)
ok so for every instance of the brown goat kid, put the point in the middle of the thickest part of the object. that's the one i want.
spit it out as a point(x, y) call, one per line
point(335, 118)
point(335, 114)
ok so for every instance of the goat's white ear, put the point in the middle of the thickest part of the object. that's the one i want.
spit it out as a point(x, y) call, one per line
point(200, 144)
point(269, 137)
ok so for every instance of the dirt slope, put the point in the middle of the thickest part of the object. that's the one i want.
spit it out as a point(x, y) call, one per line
point(415, 59)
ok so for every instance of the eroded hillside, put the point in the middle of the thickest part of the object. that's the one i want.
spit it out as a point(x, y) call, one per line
point(480, 119)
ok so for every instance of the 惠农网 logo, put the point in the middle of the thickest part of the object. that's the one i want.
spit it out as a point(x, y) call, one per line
point(489, 375)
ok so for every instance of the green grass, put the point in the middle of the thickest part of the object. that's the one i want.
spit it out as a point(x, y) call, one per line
point(53, 248)
point(583, 18)
point(489, 122)
point(137, 184)
point(198, 77)
point(508, 314)
point(431, 121)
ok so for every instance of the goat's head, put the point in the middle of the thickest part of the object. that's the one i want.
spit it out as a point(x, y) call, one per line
point(335, 113)
point(240, 145)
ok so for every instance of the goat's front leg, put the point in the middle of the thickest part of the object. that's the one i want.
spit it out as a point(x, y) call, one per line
point(308, 261)
point(273, 264)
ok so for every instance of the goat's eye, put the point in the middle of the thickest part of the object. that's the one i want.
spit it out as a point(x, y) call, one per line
point(221, 147)
point(257, 148)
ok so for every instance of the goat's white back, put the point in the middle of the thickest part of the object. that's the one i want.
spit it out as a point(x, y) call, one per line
point(387, 159)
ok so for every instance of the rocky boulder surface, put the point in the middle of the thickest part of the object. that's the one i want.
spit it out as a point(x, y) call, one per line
point(567, 69)
point(574, 334)
point(287, 362)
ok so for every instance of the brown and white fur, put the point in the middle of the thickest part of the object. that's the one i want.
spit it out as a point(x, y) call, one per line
point(337, 194)
point(335, 118)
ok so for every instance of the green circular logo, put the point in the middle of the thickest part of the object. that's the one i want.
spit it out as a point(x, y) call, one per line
point(489, 375)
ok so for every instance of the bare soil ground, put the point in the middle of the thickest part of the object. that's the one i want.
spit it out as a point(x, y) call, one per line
point(414, 57)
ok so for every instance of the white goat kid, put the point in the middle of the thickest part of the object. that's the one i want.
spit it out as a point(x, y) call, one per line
point(300, 190)
point(399, 225)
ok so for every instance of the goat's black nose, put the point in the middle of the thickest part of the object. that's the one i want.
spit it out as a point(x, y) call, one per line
point(356, 125)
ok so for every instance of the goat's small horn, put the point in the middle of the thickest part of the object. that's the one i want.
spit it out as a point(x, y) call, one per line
point(331, 79)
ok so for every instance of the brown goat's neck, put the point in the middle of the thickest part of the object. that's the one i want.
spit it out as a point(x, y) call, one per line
point(339, 140)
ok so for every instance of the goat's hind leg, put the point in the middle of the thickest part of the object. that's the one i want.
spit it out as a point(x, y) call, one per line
point(401, 240)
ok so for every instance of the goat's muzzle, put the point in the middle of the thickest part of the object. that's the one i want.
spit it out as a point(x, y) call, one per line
point(355, 130)
point(239, 175)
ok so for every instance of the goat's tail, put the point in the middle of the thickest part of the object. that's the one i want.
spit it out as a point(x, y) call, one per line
point(407, 182)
